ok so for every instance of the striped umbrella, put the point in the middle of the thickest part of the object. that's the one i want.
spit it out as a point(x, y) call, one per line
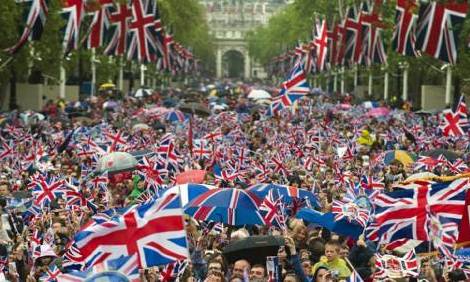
point(227, 205)
point(188, 192)
point(175, 116)
point(288, 193)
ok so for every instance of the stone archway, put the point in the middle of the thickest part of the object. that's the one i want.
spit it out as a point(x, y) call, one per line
point(233, 64)
point(227, 64)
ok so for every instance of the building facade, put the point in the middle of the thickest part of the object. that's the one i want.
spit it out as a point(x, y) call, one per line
point(229, 21)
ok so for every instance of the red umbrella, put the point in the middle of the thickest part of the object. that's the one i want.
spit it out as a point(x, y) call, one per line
point(191, 176)
point(378, 112)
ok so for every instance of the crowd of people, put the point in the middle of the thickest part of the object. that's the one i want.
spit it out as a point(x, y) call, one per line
point(52, 181)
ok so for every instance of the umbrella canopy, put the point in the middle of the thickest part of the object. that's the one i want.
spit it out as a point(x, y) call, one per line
point(175, 116)
point(106, 86)
point(191, 176)
point(378, 112)
point(227, 205)
point(156, 111)
point(117, 161)
point(195, 108)
point(142, 153)
point(327, 220)
point(404, 157)
point(140, 127)
point(420, 175)
point(254, 249)
point(188, 192)
point(142, 92)
point(288, 193)
point(435, 154)
point(257, 94)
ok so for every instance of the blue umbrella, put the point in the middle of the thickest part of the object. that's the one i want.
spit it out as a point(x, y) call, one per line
point(175, 115)
point(227, 205)
point(327, 220)
point(188, 192)
point(288, 193)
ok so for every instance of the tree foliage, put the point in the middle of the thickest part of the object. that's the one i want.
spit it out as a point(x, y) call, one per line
point(294, 23)
point(184, 18)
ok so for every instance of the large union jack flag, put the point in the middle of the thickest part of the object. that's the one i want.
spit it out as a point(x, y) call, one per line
point(141, 43)
point(154, 232)
point(404, 39)
point(407, 213)
point(99, 23)
point(73, 12)
point(438, 29)
point(120, 20)
point(34, 25)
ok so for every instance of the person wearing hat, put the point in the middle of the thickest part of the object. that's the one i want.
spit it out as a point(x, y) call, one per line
point(42, 261)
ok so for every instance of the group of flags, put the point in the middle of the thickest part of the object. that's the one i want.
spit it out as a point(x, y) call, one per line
point(357, 39)
point(131, 29)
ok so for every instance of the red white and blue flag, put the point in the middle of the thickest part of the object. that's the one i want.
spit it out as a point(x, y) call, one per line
point(34, 25)
point(73, 11)
point(454, 122)
point(141, 42)
point(404, 38)
point(120, 20)
point(407, 213)
point(439, 28)
point(154, 232)
point(99, 23)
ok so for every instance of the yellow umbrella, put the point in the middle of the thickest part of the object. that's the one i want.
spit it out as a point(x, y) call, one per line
point(406, 158)
point(108, 85)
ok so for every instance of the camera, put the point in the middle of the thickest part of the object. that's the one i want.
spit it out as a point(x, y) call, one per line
point(334, 274)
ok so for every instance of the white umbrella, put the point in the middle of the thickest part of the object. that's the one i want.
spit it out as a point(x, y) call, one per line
point(263, 102)
point(117, 161)
point(140, 126)
point(257, 94)
point(142, 92)
point(218, 108)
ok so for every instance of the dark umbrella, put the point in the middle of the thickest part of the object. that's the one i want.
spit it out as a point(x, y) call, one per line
point(254, 249)
point(449, 155)
point(195, 108)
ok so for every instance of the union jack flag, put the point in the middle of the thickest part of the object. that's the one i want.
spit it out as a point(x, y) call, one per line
point(406, 213)
point(141, 43)
point(154, 232)
point(353, 38)
point(34, 25)
point(173, 270)
point(455, 121)
point(6, 152)
point(351, 212)
point(99, 24)
point(120, 20)
point(458, 166)
point(388, 265)
point(295, 87)
point(273, 207)
point(404, 39)
point(439, 28)
point(427, 163)
point(321, 45)
point(46, 190)
point(373, 47)
point(51, 275)
point(369, 183)
point(73, 11)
